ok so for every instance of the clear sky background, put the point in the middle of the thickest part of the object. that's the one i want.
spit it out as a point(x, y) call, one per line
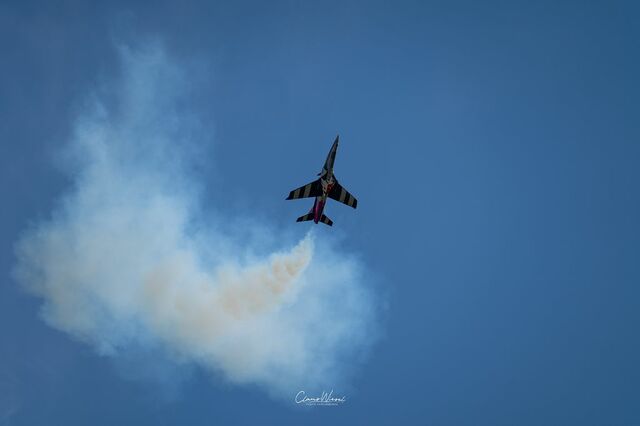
point(494, 151)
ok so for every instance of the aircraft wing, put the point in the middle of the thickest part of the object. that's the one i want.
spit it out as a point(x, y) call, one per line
point(313, 189)
point(338, 193)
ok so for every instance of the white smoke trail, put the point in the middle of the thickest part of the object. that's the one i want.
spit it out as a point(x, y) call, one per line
point(126, 259)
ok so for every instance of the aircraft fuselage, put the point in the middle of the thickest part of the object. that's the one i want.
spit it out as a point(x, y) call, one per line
point(327, 181)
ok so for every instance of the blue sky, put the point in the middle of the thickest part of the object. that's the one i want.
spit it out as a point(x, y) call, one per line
point(493, 149)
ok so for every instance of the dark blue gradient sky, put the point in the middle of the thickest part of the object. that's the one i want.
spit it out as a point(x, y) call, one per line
point(494, 150)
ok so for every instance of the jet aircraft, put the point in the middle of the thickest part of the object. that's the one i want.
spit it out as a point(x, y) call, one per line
point(326, 186)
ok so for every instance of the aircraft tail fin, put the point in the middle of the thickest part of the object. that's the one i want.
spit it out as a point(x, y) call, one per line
point(324, 219)
point(308, 216)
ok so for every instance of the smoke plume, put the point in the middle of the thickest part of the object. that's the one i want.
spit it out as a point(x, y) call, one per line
point(128, 260)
